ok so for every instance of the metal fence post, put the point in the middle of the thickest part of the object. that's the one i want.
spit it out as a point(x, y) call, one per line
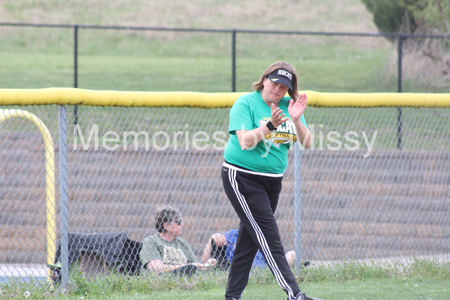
point(63, 196)
point(75, 70)
point(399, 90)
point(298, 206)
point(233, 58)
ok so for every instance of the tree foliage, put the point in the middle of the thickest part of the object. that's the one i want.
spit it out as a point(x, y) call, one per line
point(390, 15)
point(434, 16)
point(409, 15)
point(431, 56)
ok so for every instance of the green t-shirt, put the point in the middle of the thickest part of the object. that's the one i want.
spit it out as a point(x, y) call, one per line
point(176, 252)
point(270, 155)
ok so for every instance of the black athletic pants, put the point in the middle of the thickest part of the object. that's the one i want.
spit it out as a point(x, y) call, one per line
point(254, 197)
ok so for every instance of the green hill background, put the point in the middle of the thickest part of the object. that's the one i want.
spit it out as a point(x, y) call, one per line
point(320, 15)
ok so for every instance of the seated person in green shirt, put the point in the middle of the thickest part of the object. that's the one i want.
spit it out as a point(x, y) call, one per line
point(166, 251)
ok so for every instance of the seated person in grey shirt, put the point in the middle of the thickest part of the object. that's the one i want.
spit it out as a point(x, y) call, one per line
point(166, 251)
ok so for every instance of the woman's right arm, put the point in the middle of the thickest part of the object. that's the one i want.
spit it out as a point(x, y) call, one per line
point(249, 138)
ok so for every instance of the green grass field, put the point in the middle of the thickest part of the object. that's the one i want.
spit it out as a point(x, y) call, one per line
point(126, 60)
point(423, 279)
point(116, 60)
point(371, 289)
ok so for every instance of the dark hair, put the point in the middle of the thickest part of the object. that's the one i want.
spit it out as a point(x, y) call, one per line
point(166, 214)
point(259, 85)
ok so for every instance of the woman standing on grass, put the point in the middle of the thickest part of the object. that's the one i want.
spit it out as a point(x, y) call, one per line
point(263, 125)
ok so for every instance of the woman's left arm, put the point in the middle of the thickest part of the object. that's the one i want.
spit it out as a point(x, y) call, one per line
point(296, 110)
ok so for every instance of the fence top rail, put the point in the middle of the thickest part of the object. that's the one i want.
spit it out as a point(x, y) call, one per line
point(141, 28)
point(74, 96)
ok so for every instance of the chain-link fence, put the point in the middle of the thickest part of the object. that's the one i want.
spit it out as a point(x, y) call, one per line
point(361, 197)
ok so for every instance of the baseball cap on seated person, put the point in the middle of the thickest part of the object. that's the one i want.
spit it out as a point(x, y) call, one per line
point(282, 76)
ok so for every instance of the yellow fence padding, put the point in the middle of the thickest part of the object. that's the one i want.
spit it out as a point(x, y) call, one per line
point(73, 96)
point(377, 99)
